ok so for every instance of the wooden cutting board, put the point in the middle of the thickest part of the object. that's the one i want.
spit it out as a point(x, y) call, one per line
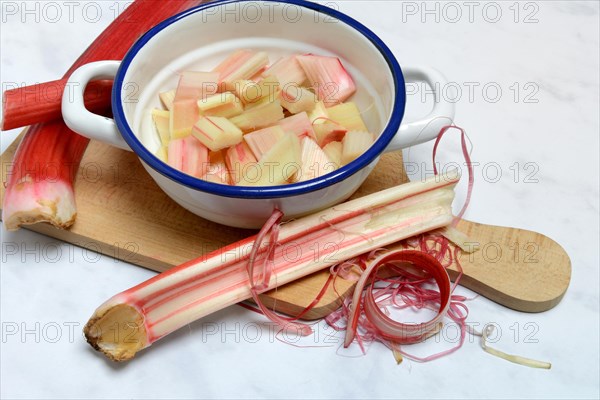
point(122, 213)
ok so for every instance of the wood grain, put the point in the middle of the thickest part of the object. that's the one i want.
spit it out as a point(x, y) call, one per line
point(122, 213)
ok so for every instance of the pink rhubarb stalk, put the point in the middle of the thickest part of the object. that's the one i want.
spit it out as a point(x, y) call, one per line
point(173, 299)
point(34, 104)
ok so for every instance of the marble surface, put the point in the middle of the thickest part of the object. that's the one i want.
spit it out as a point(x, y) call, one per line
point(547, 131)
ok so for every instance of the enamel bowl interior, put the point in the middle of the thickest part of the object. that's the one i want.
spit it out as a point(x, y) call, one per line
point(202, 39)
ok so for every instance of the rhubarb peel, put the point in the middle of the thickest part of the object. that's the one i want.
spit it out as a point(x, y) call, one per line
point(136, 318)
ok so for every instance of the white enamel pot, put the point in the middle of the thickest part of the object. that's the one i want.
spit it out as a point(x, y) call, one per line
point(201, 37)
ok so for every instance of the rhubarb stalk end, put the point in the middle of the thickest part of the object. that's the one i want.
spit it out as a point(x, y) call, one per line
point(29, 203)
point(118, 331)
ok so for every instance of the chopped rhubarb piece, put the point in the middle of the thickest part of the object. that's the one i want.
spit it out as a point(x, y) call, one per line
point(241, 65)
point(232, 63)
point(259, 116)
point(175, 153)
point(288, 72)
point(319, 114)
point(167, 99)
point(315, 162)
point(196, 85)
point(332, 83)
point(329, 132)
point(347, 115)
point(298, 99)
point(334, 153)
point(216, 157)
point(263, 140)
point(195, 157)
point(259, 75)
point(298, 124)
point(163, 154)
point(161, 120)
point(188, 155)
point(221, 105)
point(217, 133)
point(245, 89)
point(237, 158)
point(269, 88)
point(184, 115)
point(278, 165)
point(355, 143)
point(217, 171)
point(252, 92)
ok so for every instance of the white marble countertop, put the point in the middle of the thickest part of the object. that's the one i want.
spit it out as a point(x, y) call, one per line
point(549, 50)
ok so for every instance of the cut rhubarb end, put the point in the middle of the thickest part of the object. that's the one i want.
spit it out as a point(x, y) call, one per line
point(40, 180)
point(330, 80)
point(123, 343)
point(31, 202)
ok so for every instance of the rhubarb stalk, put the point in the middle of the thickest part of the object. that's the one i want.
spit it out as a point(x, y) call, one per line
point(40, 182)
point(153, 309)
point(39, 103)
point(40, 187)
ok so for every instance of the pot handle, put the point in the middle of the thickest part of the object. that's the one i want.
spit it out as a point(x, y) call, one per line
point(78, 118)
point(426, 129)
